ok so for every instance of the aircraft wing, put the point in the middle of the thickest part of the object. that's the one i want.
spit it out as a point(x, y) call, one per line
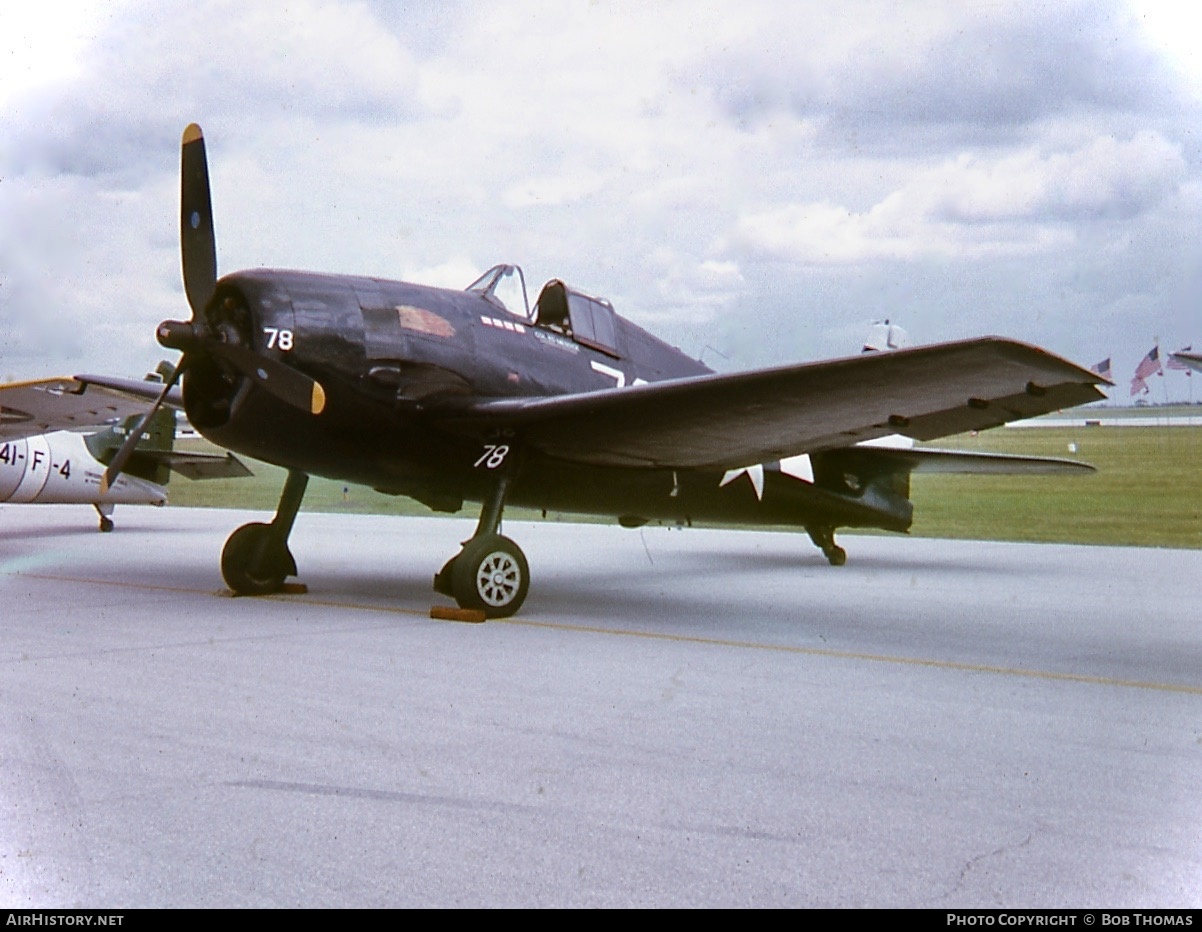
point(729, 421)
point(1190, 360)
point(46, 405)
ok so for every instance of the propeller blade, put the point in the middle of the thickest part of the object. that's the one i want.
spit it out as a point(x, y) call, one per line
point(135, 436)
point(288, 384)
point(198, 249)
point(198, 245)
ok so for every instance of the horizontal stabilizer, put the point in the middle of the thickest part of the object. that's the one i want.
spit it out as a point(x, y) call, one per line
point(198, 465)
point(960, 461)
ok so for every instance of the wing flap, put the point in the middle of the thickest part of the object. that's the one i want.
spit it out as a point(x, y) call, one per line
point(730, 421)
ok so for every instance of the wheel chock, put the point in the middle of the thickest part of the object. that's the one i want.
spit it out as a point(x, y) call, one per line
point(447, 613)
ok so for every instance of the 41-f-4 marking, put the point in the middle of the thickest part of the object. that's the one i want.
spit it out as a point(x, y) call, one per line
point(10, 456)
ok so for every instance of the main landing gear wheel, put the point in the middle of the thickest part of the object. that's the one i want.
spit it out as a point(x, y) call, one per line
point(255, 561)
point(490, 575)
point(106, 524)
point(835, 555)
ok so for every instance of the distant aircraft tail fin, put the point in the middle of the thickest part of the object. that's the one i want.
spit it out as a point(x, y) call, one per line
point(155, 456)
point(884, 337)
point(158, 436)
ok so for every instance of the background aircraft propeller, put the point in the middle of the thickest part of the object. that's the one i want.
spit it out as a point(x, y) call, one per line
point(198, 253)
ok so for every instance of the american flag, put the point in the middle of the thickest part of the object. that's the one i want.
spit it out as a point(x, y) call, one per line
point(1148, 366)
point(1103, 369)
point(1178, 364)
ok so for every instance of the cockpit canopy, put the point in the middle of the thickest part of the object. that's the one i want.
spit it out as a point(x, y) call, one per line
point(588, 320)
point(504, 286)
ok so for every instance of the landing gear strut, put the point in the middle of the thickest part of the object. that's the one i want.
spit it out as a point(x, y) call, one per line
point(106, 517)
point(824, 540)
point(256, 559)
point(490, 573)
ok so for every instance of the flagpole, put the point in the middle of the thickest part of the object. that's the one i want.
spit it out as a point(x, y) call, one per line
point(1164, 381)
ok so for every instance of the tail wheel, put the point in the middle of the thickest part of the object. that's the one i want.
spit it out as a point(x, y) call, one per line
point(490, 575)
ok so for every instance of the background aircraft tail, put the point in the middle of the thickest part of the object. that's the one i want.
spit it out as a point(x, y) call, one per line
point(155, 456)
point(883, 337)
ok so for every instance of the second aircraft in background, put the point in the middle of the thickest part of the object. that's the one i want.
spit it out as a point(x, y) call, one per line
point(57, 436)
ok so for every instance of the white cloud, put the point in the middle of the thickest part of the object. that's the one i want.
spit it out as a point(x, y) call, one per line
point(455, 274)
point(553, 191)
point(978, 206)
point(794, 168)
point(1107, 178)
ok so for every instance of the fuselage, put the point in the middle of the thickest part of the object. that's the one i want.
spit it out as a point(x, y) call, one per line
point(58, 468)
point(386, 352)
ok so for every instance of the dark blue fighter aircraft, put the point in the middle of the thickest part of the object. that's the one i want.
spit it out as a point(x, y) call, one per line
point(453, 396)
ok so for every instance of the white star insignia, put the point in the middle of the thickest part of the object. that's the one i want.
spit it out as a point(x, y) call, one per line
point(799, 467)
point(754, 473)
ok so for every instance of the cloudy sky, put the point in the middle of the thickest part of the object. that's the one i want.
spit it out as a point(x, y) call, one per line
point(752, 184)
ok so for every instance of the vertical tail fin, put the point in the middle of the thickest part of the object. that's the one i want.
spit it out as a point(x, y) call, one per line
point(158, 436)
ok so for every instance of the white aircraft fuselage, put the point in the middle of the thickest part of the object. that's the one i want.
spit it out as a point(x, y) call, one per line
point(58, 468)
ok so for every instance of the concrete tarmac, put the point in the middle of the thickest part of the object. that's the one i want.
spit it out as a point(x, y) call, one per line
point(677, 718)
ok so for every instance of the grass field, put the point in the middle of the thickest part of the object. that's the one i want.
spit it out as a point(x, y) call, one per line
point(1147, 491)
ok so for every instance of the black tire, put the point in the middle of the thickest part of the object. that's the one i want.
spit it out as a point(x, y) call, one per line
point(491, 575)
point(252, 563)
point(836, 556)
point(443, 581)
point(106, 524)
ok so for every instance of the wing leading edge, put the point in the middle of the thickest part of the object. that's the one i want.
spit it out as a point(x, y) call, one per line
point(46, 405)
point(728, 421)
point(1189, 360)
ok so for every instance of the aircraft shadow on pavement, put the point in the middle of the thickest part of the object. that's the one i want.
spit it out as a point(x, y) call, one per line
point(807, 562)
point(680, 584)
point(54, 532)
